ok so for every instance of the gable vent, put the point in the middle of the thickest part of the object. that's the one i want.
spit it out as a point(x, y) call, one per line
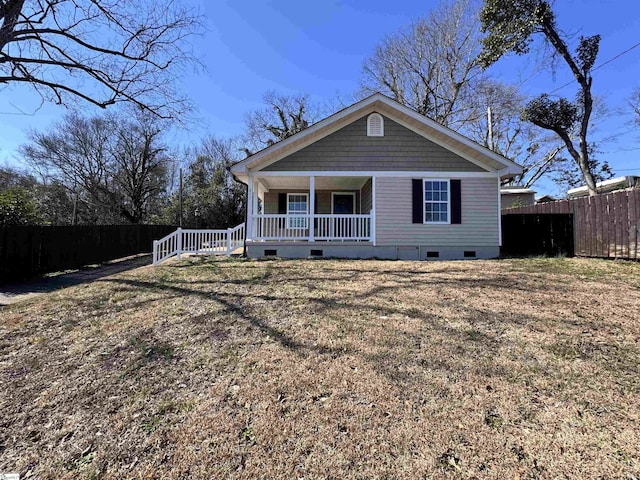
point(375, 125)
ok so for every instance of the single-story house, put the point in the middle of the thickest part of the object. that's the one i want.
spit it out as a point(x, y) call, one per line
point(546, 199)
point(515, 196)
point(375, 180)
point(606, 186)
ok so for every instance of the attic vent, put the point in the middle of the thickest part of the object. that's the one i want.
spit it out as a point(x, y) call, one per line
point(375, 125)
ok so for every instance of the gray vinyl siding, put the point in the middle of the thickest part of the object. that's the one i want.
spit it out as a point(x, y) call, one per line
point(366, 197)
point(323, 202)
point(479, 225)
point(351, 149)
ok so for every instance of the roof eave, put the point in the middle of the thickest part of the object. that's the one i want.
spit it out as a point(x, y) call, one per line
point(509, 169)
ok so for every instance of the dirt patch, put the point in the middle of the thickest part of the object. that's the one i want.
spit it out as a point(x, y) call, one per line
point(218, 368)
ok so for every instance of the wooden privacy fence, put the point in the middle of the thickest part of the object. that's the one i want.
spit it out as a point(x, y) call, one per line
point(28, 251)
point(606, 226)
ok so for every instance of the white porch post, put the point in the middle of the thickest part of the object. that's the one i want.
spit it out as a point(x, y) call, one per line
point(312, 208)
point(250, 209)
point(254, 207)
point(373, 211)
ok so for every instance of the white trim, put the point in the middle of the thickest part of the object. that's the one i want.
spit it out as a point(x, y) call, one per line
point(515, 191)
point(424, 201)
point(312, 207)
point(332, 123)
point(250, 211)
point(370, 118)
point(353, 194)
point(371, 173)
point(256, 194)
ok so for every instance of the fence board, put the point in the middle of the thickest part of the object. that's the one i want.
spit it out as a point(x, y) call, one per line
point(597, 212)
point(634, 213)
point(579, 228)
point(604, 226)
point(616, 225)
point(32, 250)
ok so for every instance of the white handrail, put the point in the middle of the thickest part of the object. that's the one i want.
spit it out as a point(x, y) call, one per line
point(210, 242)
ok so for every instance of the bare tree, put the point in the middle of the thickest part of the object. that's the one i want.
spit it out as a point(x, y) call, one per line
point(634, 102)
point(511, 26)
point(100, 51)
point(114, 165)
point(212, 199)
point(282, 117)
point(496, 124)
point(432, 65)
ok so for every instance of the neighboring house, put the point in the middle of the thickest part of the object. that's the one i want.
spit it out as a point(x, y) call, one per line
point(607, 186)
point(546, 199)
point(376, 179)
point(517, 197)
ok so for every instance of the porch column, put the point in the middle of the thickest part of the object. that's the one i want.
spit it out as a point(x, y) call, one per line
point(254, 207)
point(249, 225)
point(372, 228)
point(312, 208)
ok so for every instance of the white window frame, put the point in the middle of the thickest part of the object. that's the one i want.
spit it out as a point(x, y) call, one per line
point(296, 219)
point(369, 132)
point(353, 194)
point(425, 201)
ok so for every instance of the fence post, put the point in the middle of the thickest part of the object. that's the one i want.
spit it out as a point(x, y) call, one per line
point(179, 242)
point(155, 252)
point(228, 242)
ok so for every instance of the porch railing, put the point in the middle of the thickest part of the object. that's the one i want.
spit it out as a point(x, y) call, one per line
point(325, 227)
point(212, 242)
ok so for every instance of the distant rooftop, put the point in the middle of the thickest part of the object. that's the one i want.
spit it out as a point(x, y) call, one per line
point(516, 190)
point(619, 183)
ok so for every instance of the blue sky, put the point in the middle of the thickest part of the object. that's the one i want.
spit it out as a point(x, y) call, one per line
point(318, 48)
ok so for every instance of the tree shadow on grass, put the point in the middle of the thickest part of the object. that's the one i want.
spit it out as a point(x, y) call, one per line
point(478, 332)
point(230, 307)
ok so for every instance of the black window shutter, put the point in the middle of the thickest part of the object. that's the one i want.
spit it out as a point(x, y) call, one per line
point(418, 200)
point(282, 203)
point(456, 202)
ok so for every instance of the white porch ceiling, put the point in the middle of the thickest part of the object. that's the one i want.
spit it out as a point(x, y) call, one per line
point(322, 183)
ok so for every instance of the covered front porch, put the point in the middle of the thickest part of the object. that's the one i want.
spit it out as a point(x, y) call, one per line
point(310, 208)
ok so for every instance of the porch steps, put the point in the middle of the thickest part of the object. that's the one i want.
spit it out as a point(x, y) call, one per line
point(199, 242)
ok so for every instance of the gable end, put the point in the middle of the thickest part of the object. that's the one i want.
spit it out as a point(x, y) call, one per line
point(351, 149)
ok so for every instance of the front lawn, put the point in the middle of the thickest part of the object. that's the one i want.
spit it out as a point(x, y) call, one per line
point(212, 368)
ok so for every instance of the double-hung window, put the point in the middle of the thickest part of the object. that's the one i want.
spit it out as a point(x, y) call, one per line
point(298, 204)
point(436, 201)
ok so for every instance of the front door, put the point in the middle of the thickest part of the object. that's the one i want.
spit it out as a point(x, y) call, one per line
point(343, 204)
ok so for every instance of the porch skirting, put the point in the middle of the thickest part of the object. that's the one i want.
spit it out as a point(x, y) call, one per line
point(303, 249)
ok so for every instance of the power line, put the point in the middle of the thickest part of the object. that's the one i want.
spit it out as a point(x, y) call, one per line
point(599, 66)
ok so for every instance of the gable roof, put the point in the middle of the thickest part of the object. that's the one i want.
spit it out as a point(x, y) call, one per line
point(428, 128)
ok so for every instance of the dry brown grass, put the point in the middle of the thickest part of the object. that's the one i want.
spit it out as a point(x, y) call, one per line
point(512, 369)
